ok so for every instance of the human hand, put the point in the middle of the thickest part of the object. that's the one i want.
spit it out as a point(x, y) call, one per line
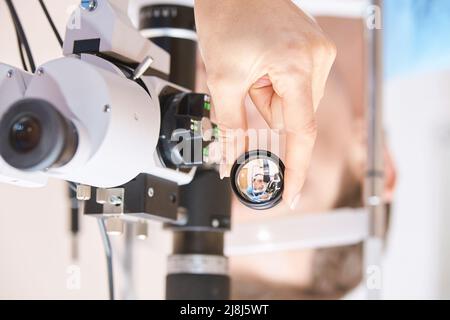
point(276, 54)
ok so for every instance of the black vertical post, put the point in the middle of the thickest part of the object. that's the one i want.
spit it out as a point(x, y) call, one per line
point(197, 269)
point(74, 221)
point(172, 27)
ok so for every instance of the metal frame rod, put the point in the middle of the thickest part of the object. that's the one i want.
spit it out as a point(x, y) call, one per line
point(374, 182)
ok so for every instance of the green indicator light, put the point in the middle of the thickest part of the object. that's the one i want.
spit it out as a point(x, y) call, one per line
point(195, 125)
point(207, 106)
point(216, 132)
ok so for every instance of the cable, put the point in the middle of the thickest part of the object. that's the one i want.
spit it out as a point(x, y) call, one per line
point(21, 34)
point(20, 47)
point(72, 186)
point(50, 21)
point(74, 218)
point(108, 253)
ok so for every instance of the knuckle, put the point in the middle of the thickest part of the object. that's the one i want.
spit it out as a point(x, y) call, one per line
point(295, 45)
point(215, 79)
point(305, 133)
point(310, 129)
point(325, 48)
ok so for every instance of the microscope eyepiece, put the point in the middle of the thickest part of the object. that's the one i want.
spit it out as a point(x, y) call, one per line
point(35, 136)
point(25, 134)
point(257, 179)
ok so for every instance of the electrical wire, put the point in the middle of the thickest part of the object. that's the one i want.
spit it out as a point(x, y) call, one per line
point(72, 186)
point(108, 253)
point(22, 56)
point(50, 21)
point(107, 247)
point(21, 34)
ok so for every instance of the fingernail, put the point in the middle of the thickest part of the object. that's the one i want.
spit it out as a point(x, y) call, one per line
point(222, 171)
point(262, 82)
point(295, 202)
point(226, 170)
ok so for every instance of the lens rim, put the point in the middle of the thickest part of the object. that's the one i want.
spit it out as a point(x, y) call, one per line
point(53, 133)
point(244, 160)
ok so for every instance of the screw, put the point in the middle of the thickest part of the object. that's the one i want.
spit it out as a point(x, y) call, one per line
point(374, 200)
point(10, 73)
point(151, 192)
point(89, 5)
point(40, 72)
point(215, 223)
point(115, 200)
point(107, 108)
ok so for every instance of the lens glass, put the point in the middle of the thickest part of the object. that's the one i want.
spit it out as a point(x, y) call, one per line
point(25, 134)
point(259, 180)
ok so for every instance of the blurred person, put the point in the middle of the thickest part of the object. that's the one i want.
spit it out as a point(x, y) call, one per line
point(257, 188)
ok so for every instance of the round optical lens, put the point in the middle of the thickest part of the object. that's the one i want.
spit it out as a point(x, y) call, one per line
point(25, 134)
point(257, 179)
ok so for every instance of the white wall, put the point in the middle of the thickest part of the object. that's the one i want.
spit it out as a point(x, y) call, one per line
point(417, 115)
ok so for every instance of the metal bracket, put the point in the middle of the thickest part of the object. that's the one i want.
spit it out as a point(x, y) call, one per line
point(112, 200)
point(144, 198)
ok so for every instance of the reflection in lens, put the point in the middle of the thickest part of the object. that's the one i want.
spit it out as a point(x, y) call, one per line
point(25, 134)
point(259, 181)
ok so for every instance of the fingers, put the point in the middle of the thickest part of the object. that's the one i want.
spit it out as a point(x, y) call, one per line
point(300, 129)
point(228, 102)
point(268, 103)
point(285, 100)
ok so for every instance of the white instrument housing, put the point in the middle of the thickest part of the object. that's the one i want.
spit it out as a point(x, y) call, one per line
point(117, 121)
point(110, 25)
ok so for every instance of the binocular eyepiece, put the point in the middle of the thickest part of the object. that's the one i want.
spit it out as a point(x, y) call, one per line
point(35, 136)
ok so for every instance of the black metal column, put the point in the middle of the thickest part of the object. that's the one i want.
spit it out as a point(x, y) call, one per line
point(197, 267)
point(172, 27)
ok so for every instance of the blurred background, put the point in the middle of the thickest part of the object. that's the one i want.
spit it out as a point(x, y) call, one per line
point(35, 242)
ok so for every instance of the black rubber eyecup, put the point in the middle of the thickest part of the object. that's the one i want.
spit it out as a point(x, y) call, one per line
point(234, 176)
point(49, 144)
